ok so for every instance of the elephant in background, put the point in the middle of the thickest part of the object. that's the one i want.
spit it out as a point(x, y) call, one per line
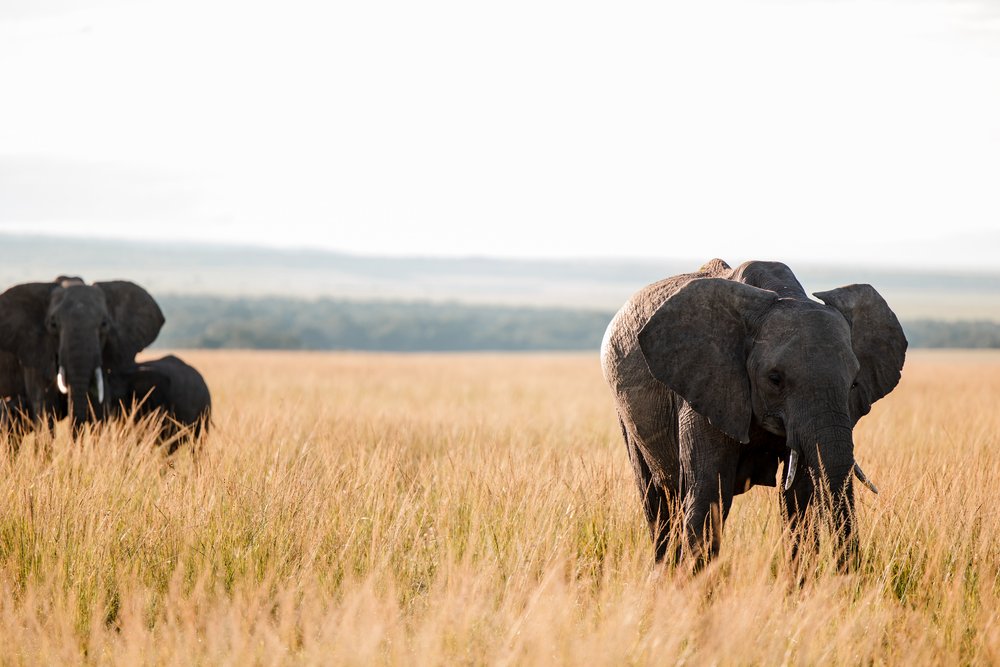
point(720, 375)
point(165, 386)
point(59, 342)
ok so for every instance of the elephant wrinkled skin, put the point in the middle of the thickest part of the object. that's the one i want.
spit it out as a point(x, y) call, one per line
point(720, 375)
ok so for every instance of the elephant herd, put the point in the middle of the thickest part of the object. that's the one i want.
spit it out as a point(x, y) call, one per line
point(68, 349)
point(719, 377)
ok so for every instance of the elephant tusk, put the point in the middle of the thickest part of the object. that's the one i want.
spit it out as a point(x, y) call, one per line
point(863, 478)
point(61, 381)
point(793, 466)
point(99, 377)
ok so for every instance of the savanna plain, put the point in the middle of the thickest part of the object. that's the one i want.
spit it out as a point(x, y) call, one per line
point(479, 509)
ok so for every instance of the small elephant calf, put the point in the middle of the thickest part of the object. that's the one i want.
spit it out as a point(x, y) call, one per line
point(169, 386)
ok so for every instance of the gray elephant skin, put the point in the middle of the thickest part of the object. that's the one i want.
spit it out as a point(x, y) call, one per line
point(168, 387)
point(720, 375)
point(59, 342)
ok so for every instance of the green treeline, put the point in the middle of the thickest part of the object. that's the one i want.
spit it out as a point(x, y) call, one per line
point(964, 333)
point(328, 324)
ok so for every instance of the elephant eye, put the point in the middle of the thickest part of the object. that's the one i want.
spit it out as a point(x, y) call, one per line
point(774, 377)
point(105, 325)
point(51, 325)
point(854, 385)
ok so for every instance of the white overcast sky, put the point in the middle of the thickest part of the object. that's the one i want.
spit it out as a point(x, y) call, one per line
point(799, 130)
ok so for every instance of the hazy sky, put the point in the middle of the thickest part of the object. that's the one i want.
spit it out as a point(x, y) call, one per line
point(835, 131)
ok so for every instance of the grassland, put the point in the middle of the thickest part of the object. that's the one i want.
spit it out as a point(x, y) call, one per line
point(368, 509)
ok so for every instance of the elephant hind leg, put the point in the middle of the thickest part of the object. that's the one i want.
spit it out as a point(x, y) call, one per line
point(657, 506)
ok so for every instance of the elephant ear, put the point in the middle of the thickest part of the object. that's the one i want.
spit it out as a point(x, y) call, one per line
point(877, 339)
point(136, 321)
point(23, 309)
point(697, 343)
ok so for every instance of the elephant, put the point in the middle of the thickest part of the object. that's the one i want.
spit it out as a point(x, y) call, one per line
point(720, 375)
point(60, 340)
point(165, 386)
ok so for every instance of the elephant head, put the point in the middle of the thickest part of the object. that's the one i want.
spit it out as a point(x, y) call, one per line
point(68, 336)
point(752, 361)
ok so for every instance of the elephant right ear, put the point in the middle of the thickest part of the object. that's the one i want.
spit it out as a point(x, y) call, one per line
point(878, 341)
point(137, 320)
point(697, 343)
point(23, 309)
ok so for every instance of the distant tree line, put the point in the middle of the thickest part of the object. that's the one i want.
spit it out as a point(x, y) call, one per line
point(327, 324)
point(938, 333)
point(330, 324)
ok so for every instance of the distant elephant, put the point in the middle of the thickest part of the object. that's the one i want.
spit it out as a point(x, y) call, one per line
point(721, 374)
point(167, 386)
point(60, 340)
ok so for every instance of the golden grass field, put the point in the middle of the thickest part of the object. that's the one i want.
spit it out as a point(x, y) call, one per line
point(479, 509)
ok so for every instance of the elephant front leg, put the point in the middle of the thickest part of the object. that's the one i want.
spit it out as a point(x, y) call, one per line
point(709, 461)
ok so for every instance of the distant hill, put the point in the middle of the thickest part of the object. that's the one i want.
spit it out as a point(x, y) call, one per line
point(584, 285)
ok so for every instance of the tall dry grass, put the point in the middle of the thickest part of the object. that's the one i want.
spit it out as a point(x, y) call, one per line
point(367, 509)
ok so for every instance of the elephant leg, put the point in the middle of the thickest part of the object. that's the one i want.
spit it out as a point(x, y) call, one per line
point(709, 462)
point(15, 423)
point(656, 503)
point(177, 435)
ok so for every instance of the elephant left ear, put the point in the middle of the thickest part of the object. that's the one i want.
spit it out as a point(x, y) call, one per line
point(877, 339)
point(137, 320)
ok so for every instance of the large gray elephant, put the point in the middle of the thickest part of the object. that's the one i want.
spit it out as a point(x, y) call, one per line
point(721, 374)
point(59, 341)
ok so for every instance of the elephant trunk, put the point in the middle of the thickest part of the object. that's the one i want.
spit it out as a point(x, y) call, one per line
point(81, 377)
point(85, 395)
point(827, 454)
point(840, 474)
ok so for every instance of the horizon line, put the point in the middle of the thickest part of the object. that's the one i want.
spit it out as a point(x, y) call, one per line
point(533, 259)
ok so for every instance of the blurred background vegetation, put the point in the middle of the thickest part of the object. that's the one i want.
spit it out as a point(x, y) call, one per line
point(326, 324)
point(231, 296)
point(329, 324)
